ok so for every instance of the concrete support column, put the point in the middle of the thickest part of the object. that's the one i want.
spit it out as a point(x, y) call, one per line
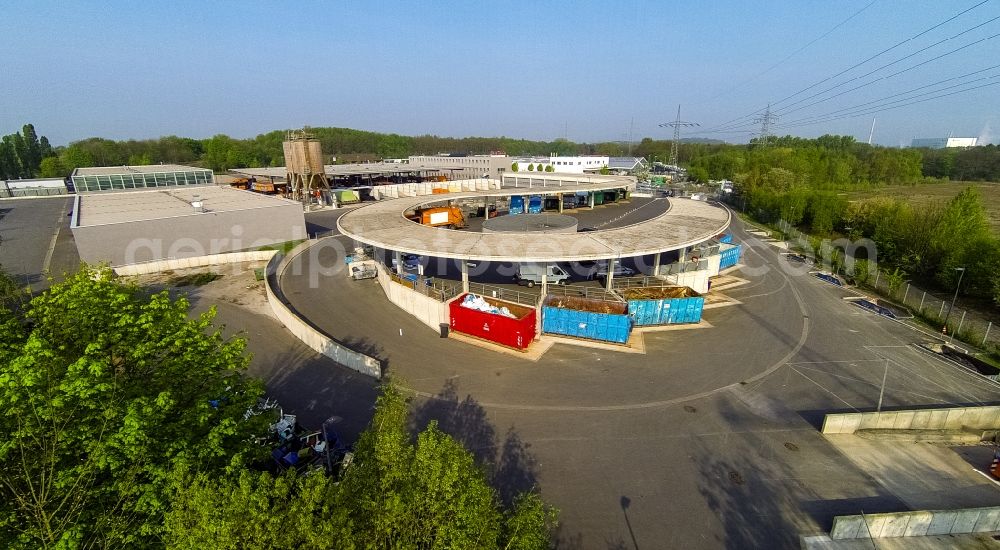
point(420, 268)
point(559, 196)
point(590, 199)
point(545, 279)
point(656, 264)
point(399, 261)
point(611, 275)
point(465, 275)
point(683, 255)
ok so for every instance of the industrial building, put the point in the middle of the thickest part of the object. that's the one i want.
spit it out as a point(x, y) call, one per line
point(125, 178)
point(141, 226)
point(472, 166)
point(943, 143)
point(35, 187)
point(567, 165)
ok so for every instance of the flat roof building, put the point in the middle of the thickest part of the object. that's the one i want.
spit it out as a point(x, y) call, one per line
point(34, 187)
point(942, 143)
point(180, 222)
point(130, 178)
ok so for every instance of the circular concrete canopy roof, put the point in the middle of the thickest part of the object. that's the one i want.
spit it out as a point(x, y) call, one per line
point(687, 222)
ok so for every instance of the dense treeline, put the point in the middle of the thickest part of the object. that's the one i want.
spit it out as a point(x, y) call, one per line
point(23, 153)
point(222, 152)
point(799, 182)
point(963, 164)
point(927, 243)
point(124, 425)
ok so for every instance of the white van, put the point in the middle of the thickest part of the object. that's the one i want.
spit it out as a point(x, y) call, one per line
point(531, 274)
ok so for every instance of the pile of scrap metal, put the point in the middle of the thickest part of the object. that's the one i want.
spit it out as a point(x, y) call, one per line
point(305, 451)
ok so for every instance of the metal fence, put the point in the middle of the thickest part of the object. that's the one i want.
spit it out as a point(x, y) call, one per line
point(962, 324)
point(434, 288)
point(516, 296)
point(579, 291)
point(6, 193)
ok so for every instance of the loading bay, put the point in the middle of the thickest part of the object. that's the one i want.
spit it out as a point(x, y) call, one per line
point(709, 439)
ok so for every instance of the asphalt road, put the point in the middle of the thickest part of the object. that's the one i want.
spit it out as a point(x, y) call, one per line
point(709, 440)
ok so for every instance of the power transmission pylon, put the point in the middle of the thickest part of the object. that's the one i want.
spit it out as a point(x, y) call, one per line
point(676, 125)
point(765, 122)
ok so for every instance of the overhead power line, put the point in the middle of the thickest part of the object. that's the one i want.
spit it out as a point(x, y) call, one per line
point(869, 73)
point(879, 110)
point(737, 121)
point(910, 91)
point(677, 125)
point(791, 55)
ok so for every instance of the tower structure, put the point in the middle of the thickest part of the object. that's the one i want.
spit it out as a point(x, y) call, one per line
point(304, 165)
point(677, 124)
point(765, 122)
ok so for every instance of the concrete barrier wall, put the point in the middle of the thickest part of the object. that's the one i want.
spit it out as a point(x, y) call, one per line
point(198, 261)
point(916, 524)
point(697, 280)
point(428, 310)
point(924, 419)
point(304, 331)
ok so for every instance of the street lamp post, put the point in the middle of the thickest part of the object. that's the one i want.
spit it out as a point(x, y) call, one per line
point(961, 273)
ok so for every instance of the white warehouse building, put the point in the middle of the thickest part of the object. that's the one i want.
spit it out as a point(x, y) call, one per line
point(569, 165)
point(942, 143)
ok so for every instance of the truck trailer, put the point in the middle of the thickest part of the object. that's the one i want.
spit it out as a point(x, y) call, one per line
point(449, 217)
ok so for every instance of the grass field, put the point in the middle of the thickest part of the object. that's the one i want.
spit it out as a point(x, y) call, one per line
point(941, 192)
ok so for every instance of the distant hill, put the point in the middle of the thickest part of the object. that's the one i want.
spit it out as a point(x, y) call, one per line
point(707, 141)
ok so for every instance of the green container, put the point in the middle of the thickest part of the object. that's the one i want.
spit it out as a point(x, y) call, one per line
point(598, 197)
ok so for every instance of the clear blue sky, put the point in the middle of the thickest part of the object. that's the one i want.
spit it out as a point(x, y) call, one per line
point(538, 70)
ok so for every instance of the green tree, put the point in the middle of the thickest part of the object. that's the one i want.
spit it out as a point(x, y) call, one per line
point(430, 494)
point(549, 168)
point(255, 510)
point(74, 157)
point(398, 493)
point(51, 167)
point(104, 391)
point(531, 167)
point(32, 149)
point(514, 167)
point(139, 160)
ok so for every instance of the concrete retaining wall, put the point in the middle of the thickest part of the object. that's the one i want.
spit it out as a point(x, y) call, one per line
point(985, 418)
point(428, 310)
point(916, 524)
point(306, 332)
point(198, 261)
point(697, 280)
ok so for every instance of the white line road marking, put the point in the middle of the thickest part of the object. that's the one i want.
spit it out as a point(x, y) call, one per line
point(55, 237)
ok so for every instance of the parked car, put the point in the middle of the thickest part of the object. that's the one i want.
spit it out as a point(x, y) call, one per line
point(569, 202)
point(600, 270)
point(410, 262)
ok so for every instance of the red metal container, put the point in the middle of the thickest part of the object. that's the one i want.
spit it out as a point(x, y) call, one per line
point(517, 332)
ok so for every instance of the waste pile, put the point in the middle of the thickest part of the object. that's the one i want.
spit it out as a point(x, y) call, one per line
point(479, 303)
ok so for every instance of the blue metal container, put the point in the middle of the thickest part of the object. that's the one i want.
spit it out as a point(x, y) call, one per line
point(727, 238)
point(666, 311)
point(607, 327)
point(730, 255)
point(516, 205)
point(535, 204)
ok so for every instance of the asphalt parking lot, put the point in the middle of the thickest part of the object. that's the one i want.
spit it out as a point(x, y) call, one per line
point(709, 440)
